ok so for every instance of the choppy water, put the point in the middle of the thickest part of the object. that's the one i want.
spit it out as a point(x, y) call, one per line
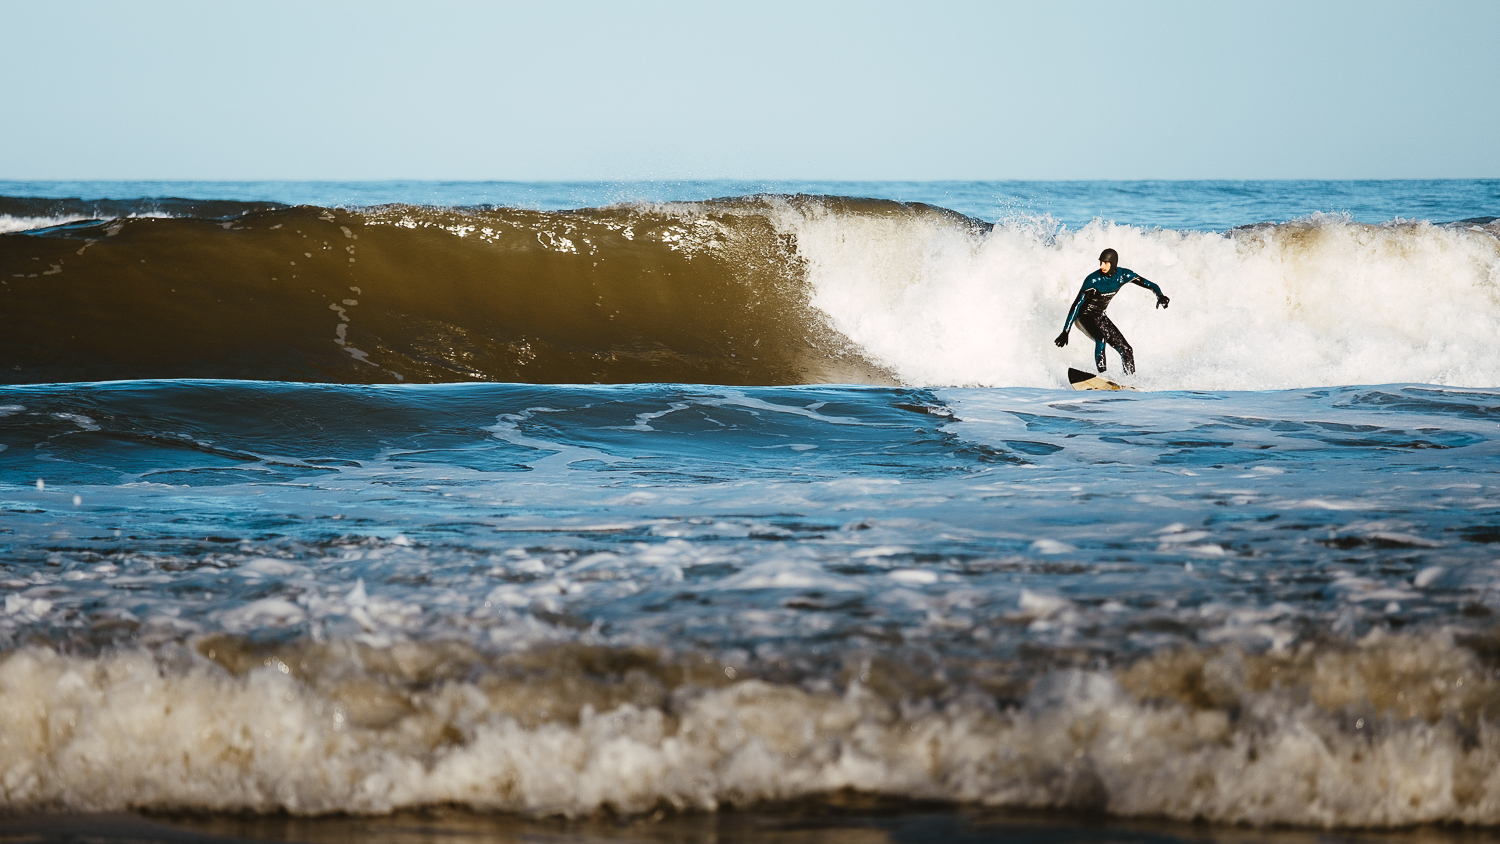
point(1261, 590)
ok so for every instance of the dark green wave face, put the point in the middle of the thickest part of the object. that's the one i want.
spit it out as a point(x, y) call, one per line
point(702, 293)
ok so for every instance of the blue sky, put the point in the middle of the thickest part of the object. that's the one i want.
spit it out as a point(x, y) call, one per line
point(752, 90)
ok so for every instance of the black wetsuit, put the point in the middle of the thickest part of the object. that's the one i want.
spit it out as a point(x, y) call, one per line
point(1088, 311)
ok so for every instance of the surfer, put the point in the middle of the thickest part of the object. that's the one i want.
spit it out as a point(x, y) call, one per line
point(1088, 308)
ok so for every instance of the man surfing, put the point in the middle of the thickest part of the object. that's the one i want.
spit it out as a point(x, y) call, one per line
point(1088, 309)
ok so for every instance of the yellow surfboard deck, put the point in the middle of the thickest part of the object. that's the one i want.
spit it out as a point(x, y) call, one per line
point(1089, 381)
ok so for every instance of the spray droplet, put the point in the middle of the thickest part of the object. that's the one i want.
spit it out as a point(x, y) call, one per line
point(77, 501)
point(40, 484)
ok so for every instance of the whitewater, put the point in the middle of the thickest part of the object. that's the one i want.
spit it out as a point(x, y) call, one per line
point(648, 504)
point(1313, 302)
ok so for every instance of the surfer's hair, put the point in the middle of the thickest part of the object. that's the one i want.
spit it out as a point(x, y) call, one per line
point(1111, 256)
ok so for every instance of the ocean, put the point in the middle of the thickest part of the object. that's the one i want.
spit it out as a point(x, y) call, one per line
point(747, 511)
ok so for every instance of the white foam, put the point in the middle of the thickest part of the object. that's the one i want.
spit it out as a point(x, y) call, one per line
point(1383, 733)
point(78, 419)
point(1316, 302)
point(9, 223)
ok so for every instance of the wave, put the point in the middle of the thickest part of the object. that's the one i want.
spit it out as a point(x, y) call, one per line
point(1392, 730)
point(1315, 302)
point(754, 290)
point(704, 293)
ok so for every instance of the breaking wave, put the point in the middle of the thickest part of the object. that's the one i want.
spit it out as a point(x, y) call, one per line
point(754, 290)
point(1392, 730)
point(709, 294)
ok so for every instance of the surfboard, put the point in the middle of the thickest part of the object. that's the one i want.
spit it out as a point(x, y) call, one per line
point(1089, 381)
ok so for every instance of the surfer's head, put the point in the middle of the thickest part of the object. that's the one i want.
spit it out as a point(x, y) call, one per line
point(1108, 260)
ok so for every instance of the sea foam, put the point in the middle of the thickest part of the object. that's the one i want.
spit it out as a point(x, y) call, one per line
point(1388, 731)
point(1314, 302)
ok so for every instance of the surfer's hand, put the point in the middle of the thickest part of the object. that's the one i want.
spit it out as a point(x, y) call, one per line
point(1062, 340)
point(1162, 301)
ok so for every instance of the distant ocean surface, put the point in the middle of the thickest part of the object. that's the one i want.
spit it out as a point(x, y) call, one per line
point(638, 500)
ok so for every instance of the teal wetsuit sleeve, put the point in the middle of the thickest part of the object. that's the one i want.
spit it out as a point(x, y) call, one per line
point(1073, 311)
point(1137, 278)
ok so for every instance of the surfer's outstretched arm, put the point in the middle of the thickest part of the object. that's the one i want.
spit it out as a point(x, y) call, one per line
point(1062, 339)
point(1161, 298)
